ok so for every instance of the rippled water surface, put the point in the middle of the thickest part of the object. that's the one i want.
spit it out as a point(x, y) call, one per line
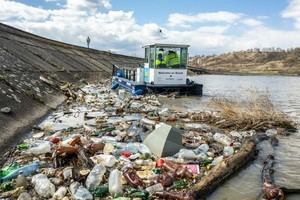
point(285, 94)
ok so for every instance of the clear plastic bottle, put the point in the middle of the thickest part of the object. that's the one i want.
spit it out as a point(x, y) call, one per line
point(115, 182)
point(60, 193)
point(83, 194)
point(41, 148)
point(106, 160)
point(187, 154)
point(43, 186)
point(155, 188)
point(95, 177)
point(203, 148)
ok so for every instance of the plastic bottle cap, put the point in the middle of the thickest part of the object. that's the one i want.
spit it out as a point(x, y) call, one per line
point(160, 163)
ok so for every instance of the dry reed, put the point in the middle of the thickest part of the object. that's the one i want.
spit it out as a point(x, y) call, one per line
point(255, 113)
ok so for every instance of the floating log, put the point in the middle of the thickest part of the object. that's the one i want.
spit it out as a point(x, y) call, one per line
point(270, 190)
point(225, 169)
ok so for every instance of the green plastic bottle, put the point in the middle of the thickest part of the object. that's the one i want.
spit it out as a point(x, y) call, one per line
point(101, 191)
point(180, 184)
point(142, 194)
point(23, 146)
point(121, 198)
point(8, 169)
point(4, 187)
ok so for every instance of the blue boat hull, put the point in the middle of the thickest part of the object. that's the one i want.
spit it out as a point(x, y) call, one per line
point(141, 88)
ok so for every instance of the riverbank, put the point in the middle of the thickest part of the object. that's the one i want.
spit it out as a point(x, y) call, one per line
point(250, 62)
point(202, 71)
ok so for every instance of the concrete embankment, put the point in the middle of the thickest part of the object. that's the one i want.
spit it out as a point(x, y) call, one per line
point(31, 68)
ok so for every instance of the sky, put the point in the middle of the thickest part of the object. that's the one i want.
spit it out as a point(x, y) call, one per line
point(124, 26)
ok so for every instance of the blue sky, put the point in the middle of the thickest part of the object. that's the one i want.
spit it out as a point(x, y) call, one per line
point(210, 27)
point(144, 9)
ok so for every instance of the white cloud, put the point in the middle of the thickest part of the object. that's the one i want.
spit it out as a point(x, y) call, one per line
point(293, 12)
point(14, 11)
point(252, 22)
point(178, 19)
point(215, 32)
point(88, 4)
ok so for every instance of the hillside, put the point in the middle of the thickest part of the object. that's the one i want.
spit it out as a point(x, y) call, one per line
point(273, 63)
point(32, 67)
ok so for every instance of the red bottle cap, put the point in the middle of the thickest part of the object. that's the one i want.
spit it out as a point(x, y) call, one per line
point(126, 154)
point(55, 140)
point(160, 163)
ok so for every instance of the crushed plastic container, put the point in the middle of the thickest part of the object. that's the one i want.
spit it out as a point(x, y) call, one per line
point(155, 188)
point(217, 160)
point(95, 177)
point(228, 151)
point(43, 186)
point(83, 194)
point(115, 182)
point(222, 138)
point(105, 160)
point(21, 180)
point(187, 154)
point(203, 148)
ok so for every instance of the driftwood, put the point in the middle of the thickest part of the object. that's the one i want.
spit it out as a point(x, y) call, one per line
point(270, 190)
point(225, 169)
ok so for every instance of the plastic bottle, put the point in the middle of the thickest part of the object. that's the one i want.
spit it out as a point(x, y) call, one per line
point(74, 187)
point(180, 184)
point(139, 194)
point(27, 171)
point(115, 182)
point(132, 178)
point(60, 193)
point(23, 146)
point(217, 160)
point(203, 148)
point(101, 191)
point(222, 138)
point(4, 187)
point(83, 194)
point(8, 169)
point(155, 188)
point(95, 177)
point(187, 154)
point(43, 186)
point(105, 160)
point(21, 180)
point(228, 151)
point(42, 148)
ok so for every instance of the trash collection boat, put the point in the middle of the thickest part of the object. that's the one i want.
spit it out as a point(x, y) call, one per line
point(164, 71)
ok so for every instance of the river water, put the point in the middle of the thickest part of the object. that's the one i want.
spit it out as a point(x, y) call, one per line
point(284, 91)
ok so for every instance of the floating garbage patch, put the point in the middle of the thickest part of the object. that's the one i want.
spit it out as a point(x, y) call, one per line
point(103, 146)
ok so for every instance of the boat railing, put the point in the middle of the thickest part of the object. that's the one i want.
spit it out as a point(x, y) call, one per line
point(124, 72)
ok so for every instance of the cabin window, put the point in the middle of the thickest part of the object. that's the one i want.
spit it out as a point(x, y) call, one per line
point(152, 57)
point(146, 55)
point(170, 58)
point(184, 57)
